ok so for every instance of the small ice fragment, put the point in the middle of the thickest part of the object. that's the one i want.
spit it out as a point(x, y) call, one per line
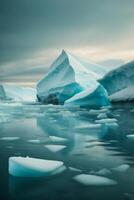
point(55, 148)
point(88, 126)
point(108, 120)
point(102, 116)
point(75, 169)
point(121, 168)
point(34, 167)
point(34, 141)
point(96, 112)
point(131, 136)
point(103, 172)
point(57, 139)
point(9, 138)
point(93, 180)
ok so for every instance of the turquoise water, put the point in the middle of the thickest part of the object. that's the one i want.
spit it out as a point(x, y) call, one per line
point(87, 148)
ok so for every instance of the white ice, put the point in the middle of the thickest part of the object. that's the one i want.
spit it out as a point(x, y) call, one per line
point(107, 120)
point(57, 139)
point(93, 180)
point(119, 83)
point(131, 136)
point(34, 167)
point(126, 94)
point(9, 138)
point(34, 141)
point(55, 148)
point(17, 93)
point(121, 168)
point(68, 76)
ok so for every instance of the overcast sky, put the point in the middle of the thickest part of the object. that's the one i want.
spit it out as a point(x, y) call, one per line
point(33, 33)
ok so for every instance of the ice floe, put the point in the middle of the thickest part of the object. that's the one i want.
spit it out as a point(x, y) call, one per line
point(121, 168)
point(9, 138)
point(55, 148)
point(34, 167)
point(93, 180)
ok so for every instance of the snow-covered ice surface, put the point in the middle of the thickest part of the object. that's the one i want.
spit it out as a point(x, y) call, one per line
point(119, 83)
point(93, 180)
point(33, 167)
point(97, 148)
point(69, 76)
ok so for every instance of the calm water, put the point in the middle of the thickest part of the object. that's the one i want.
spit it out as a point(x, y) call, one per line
point(88, 149)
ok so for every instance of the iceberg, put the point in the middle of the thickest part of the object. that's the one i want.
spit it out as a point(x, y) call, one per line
point(95, 97)
point(119, 83)
point(68, 76)
point(93, 180)
point(34, 167)
point(17, 93)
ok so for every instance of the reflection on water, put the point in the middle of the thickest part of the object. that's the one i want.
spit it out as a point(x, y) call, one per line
point(90, 147)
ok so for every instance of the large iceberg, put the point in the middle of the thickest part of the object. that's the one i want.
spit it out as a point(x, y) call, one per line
point(34, 167)
point(69, 76)
point(119, 83)
point(17, 93)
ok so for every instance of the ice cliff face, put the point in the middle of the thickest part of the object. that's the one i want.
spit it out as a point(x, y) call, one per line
point(119, 78)
point(67, 77)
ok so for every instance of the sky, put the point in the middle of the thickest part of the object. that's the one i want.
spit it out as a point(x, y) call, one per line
point(34, 32)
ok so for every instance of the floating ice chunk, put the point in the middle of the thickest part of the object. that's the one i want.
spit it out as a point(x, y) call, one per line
point(103, 172)
point(34, 141)
point(96, 112)
point(131, 136)
point(34, 167)
point(102, 116)
point(88, 126)
point(108, 120)
point(75, 169)
point(55, 148)
point(9, 138)
point(57, 139)
point(93, 180)
point(121, 168)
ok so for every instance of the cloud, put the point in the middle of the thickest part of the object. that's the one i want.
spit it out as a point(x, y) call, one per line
point(34, 32)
